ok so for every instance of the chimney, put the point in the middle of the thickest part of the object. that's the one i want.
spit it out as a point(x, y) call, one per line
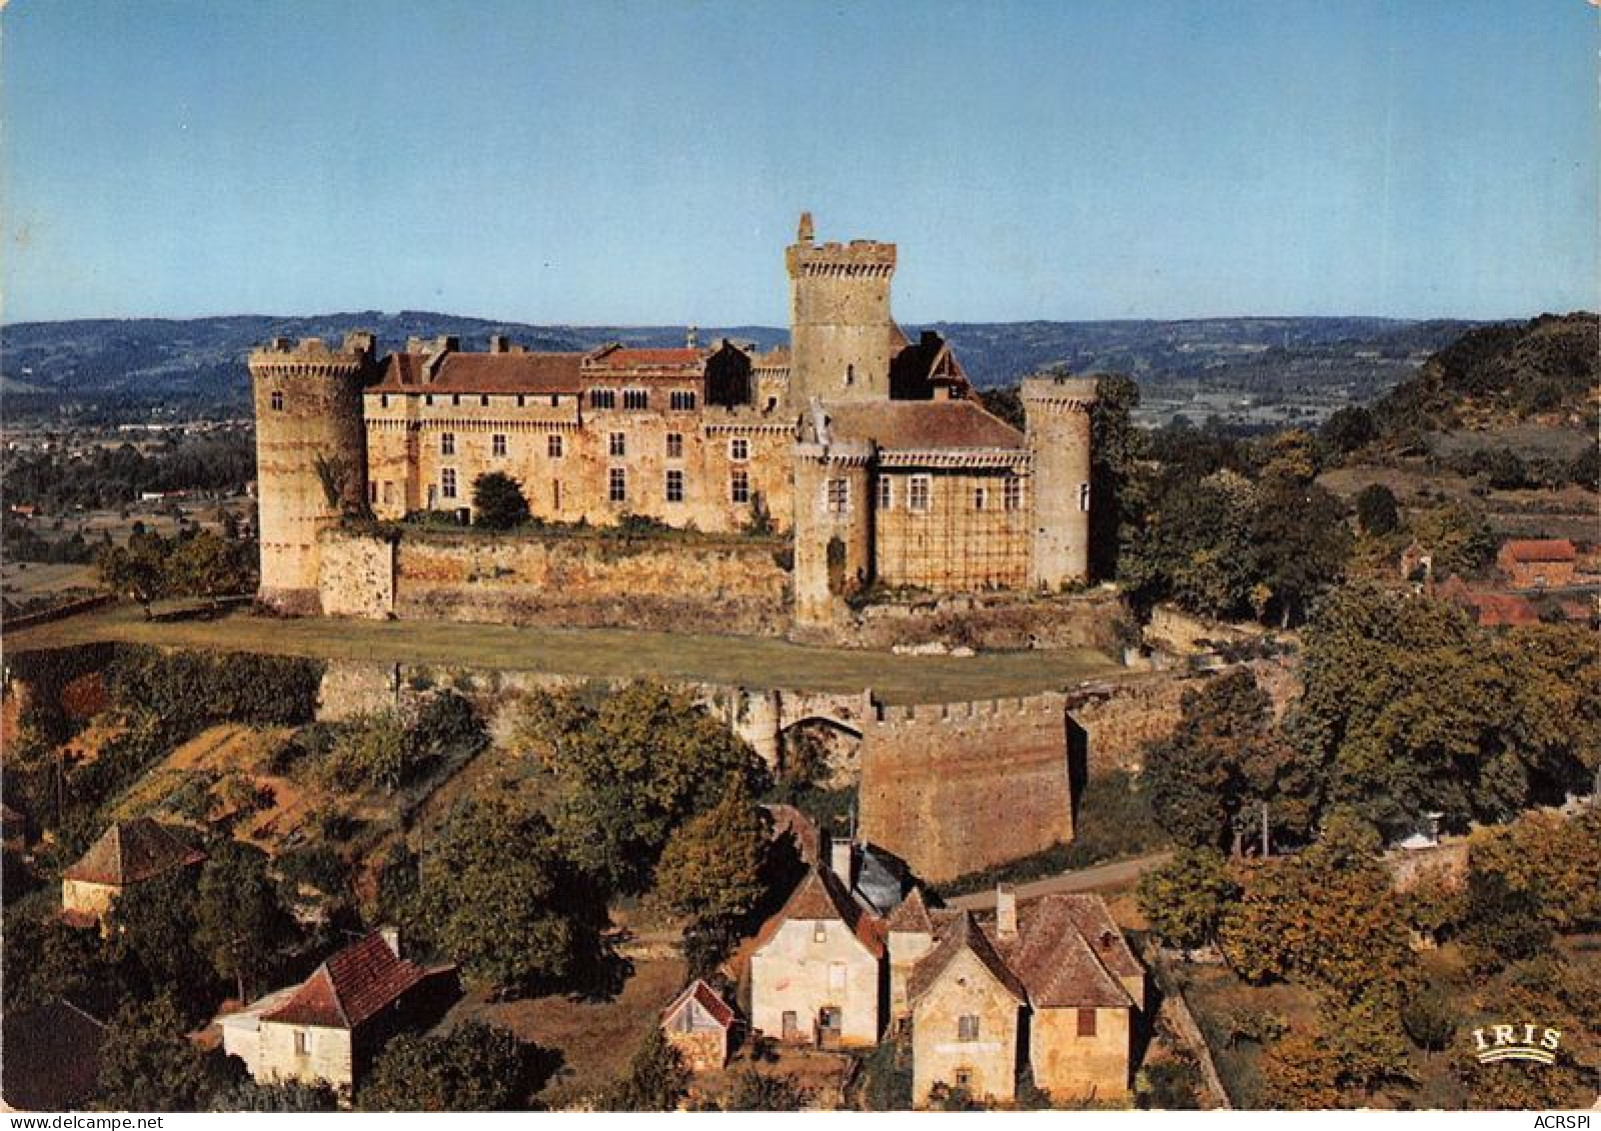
point(391, 937)
point(692, 338)
point(1005, 911)
point(842, 859)
point(499, 343)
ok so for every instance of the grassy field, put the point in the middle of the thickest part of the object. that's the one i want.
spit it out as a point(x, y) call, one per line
point(597, 653)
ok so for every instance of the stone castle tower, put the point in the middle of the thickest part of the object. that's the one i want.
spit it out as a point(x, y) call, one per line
point(1057, 410)
point(840, 327)
point(310, 437)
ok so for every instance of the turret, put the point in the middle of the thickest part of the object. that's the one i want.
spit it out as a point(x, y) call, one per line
point(1057, 413)
point(840, 325)
point(833, 521)
point(310, 443)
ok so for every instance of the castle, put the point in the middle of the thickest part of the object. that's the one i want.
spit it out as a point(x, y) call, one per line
point(869, 449)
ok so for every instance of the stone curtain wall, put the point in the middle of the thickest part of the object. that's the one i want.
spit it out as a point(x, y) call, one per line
point(954, 788)
point(735, 586)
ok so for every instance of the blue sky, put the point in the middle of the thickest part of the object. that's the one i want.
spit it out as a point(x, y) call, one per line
point(605, 162)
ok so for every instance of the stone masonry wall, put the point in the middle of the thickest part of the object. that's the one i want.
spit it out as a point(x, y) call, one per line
point(958, 787)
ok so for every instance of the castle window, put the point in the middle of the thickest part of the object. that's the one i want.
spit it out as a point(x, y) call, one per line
point(555, 493)
point(553, 445)
point(617, 444)
point(675, 445)
point(636, 398)
point(555, 400)
point(675, 486)
point(277, 400)
point(603, 398)
point(1012, 493)
point(447, 483)
point(428, 398)
point(850, 375)
point(739, 485)
point(837, 496)
point(967, 1027)
point(682, 400)
point(1086, 1022)
point(389, 492)
point(739, 449)
point(522, 400)
point(483, 399)
point(372, 492)
point(886, 493)
point(497, 444)
point(383, 400)
point(1083, 496)
point(617, 485)
point(981, 498)
point(917, 490)
point(447, 443)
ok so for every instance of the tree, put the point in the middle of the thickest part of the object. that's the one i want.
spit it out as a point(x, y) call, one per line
point(1006, 402)
point(498, 502)
point(205, 565)
point(1376, 510)
point(1459, 537)
point(1195, 548)
point(1185, 898)
point(474, 1067)
point(767, 1091)
point(152, 932)
point(148, 1064)
point(1348, 429)
point(1115, 450)
point(137, 571)
point(711, 869)
point(657, 1079)
point(1429, 1019)
point(240, 924)
point(498, 894)
point(291, 1096)
point(1302, 544)
point(629, 771)
point(46, 960)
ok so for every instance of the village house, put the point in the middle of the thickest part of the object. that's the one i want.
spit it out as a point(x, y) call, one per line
point(127, 853)
point(700, 1025)
point(1538, 563)
point(332, 1026)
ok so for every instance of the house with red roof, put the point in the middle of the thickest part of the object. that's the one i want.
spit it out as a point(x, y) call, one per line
point(332, 1026)
point(127, 853)
point(1538, 563)
point(700, 1025)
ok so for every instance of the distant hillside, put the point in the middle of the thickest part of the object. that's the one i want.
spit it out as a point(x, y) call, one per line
point(110, 368)
point(1549, 367)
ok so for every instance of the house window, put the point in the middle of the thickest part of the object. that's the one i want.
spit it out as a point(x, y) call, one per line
point(1083, 496)
point(917, 493)
point(617, 444)
point(962, 1077)
point(886, 493)
point(836, 975)
point(372, 492)
point(980, 498)
point(636, 398)
point(675, 486)
point(675, 445)
point(739, 485)
point(497, 444)
point(302, 1042)
point(428, 399)
point(383, 400)
point(603, 398)
point(277, 400)
point(1012, 493)
point(447, 443)
point(739, 449)
point(819, 931)
point(967, 1027)
point(837, 497)
point(447, 482)
point(553, 445)
point(617, 485)
point(1086, 1022)
point(682, 400)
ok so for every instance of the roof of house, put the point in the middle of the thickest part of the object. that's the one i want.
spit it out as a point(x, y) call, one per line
point(912, 914)
point(821, 896)
point(922, 425)
point(963, 935)
point(483, 373)
point(350, 987)
point(51, 1056)
point(631, 357)
point(131, 851)
point(1539, 550)
point(881, 879)
point(1057, 964)
point(709, 1000)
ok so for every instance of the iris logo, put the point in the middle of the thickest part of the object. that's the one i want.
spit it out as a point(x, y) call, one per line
point(1517, 1042)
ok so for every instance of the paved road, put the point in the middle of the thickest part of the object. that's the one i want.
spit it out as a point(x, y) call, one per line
point(1085, 879)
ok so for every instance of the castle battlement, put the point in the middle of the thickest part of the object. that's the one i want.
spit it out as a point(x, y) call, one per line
point(998, 712)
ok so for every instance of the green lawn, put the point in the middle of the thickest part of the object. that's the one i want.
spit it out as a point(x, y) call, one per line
point(610, 653)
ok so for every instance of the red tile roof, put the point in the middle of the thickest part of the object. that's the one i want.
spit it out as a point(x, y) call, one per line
point(131, 851)
point(625, 357)
point(350, 987)
point(1539, 550)
point(710, 1000)
point(922, 425)
point(963, 935)
point(483, 373)
point(912, 914)
point(1060, 968)
point(821, 895)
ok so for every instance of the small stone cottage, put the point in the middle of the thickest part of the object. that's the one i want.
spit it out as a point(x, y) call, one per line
point(127, 853)
point(700, 1025)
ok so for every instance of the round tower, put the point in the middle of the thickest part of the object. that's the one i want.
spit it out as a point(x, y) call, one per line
point(833, 527)
point(311, 457)
point(1057, 413)
point(840, 329)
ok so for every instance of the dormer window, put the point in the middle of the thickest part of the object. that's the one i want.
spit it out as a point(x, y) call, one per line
point(819, 932)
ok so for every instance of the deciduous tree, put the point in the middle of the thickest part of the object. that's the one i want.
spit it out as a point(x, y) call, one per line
point(474, 1067)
